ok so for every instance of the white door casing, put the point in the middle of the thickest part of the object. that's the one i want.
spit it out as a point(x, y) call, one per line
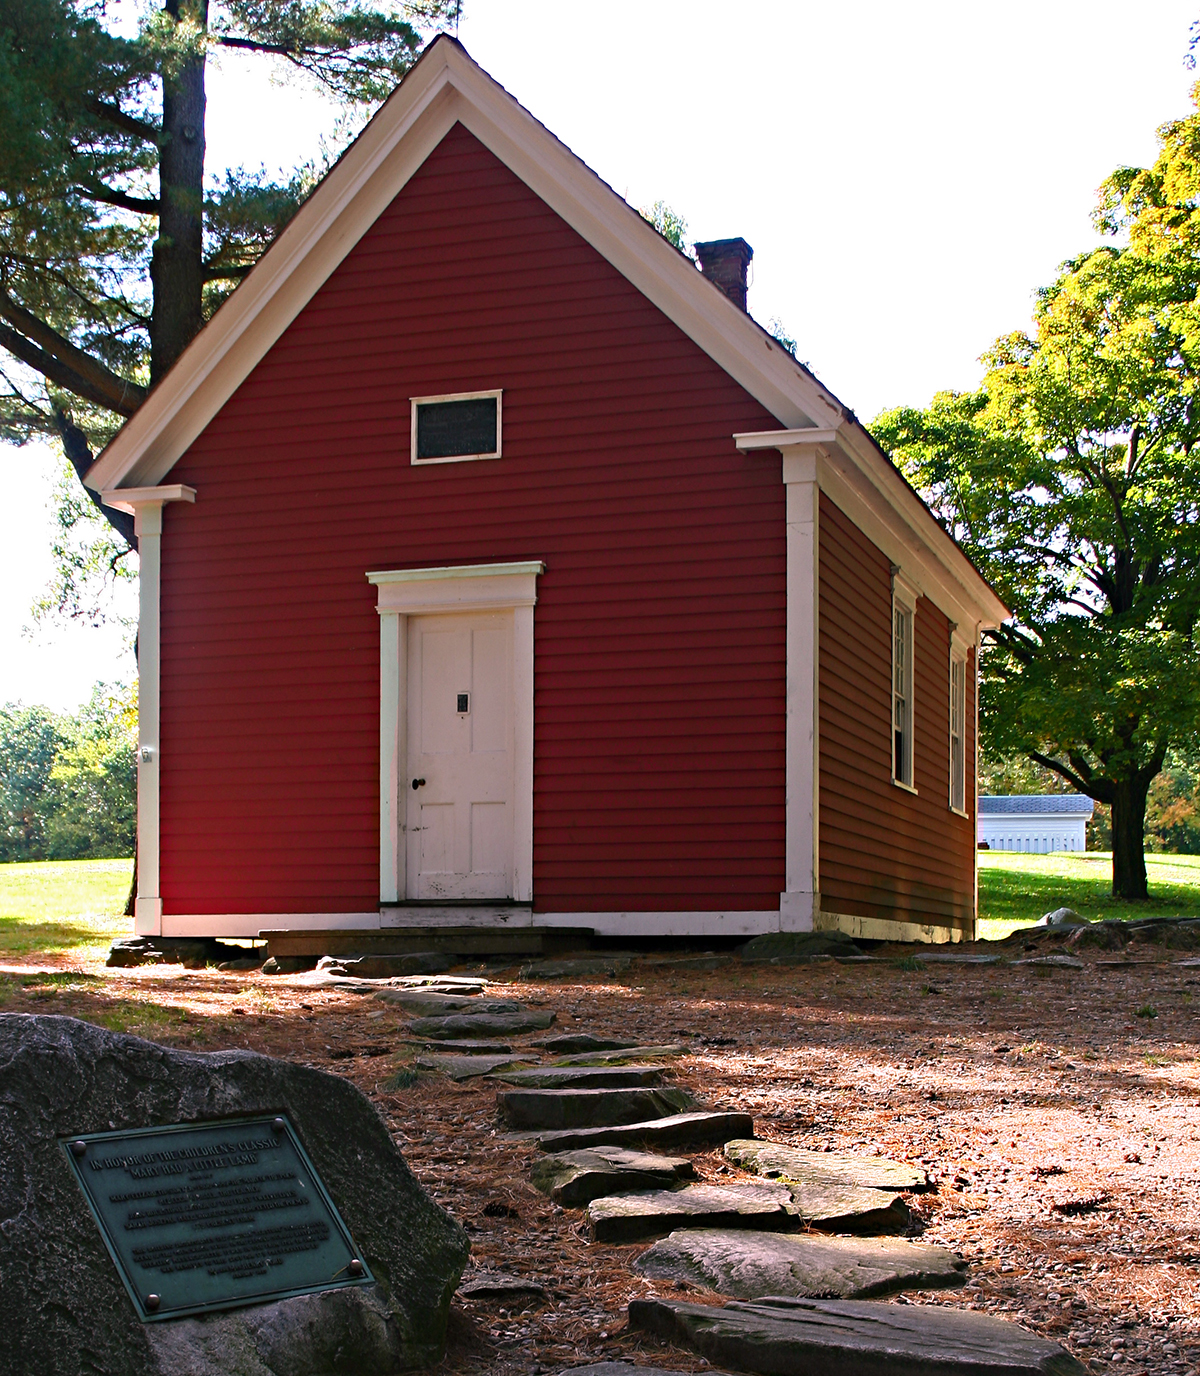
point(508, 590)
point(459, 733)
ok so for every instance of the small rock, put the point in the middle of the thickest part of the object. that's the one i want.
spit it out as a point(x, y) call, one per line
point(575, 1178)
point(509, 1290)
point(787, 948)
point(680, 1129)
point(558, 1109)
point(230, 966)
point(1061, 917)
point(288, 965)
point(748, 1264)
point(627, 1369)
point(651, 1213)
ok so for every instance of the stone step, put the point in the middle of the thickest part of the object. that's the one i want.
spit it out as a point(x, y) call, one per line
point(745, 1265)
point(466, 1067)
point(707, 1129)
point(653, 1213)
point(585, 968)
point(457, 1025)
point(567, 1042)
point(431, 1004)
point(782, 1337)
point(632, 1053)
point(558, 1109)
point(773, 1159)
point(574, 1178)
point(583, 1077)
point(625, 1369)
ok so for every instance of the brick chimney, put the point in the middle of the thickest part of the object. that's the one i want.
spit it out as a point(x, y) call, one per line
point(724, 263)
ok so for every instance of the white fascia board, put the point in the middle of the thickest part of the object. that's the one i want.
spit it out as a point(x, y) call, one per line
point(444, 87)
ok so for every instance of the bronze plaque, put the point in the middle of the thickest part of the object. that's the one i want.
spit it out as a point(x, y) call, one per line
point(202, 1216)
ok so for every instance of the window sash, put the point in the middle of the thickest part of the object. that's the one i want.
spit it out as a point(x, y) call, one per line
point(902, 714)
point(958, 735)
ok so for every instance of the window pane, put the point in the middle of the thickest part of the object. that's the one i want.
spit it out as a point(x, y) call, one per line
point(455, 429)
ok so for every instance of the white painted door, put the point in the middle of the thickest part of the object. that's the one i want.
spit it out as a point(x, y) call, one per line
point(460, 756)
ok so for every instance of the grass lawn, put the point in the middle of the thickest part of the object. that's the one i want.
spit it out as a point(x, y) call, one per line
point(53, 907)
point(1015, 889)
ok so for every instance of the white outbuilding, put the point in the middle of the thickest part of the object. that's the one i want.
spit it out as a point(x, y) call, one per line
point(1034, 822)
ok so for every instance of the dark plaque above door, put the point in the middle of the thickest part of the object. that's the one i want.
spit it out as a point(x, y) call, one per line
point(214, 1215)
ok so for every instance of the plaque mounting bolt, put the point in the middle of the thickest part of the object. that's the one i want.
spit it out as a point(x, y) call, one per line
point(152, 1302)
point(279, 1125)
point(78, 1148)
point(355, 1267)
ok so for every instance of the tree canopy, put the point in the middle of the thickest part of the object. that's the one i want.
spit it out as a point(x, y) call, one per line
point(1072, 479)
point(115, 245)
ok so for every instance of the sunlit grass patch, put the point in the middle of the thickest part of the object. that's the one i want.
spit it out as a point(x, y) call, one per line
point(52, 907)
point(1016, 889)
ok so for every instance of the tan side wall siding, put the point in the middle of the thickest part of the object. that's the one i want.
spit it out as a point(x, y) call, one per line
point(886, 855)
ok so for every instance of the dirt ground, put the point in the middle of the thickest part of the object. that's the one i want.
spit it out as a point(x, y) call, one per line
point(1056, 1111)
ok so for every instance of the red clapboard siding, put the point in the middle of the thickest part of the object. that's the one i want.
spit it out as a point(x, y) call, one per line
point(660, 626)
point(885, 853)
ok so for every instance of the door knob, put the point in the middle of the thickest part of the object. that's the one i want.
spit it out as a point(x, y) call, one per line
point(418, 783)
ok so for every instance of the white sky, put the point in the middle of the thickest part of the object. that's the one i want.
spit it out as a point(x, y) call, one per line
point(907, 175)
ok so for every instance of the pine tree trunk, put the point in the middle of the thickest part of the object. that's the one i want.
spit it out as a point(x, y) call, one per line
point(1128, 837)
point(177, 264)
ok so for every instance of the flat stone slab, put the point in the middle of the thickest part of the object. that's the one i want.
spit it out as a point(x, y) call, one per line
point(680, 1129)
point(588, 1108)
point(466, 1067)
point(746, 1265)
point(63, 1307)
point(628, 1369)
point(568, 1042)
point(385, 967)
point(483, 1024)
point(632, 1053)
point(651, 1213)
point(1053, 962)
point(772, 1159)
point(431, 1003)
point(586, 967)
point(790, 1337)
point(575, 1178)
point(583, 1077)
point(466, 1047)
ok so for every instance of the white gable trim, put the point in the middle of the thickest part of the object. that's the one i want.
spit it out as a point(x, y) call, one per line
point(446, 87)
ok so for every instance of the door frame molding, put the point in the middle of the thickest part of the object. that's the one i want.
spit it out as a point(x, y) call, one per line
point(402, 593)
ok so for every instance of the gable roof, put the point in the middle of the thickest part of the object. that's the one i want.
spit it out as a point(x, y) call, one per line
point(446, 87)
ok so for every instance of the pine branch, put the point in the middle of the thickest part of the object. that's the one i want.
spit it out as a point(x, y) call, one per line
point(107, 195)
point(127, 124)
point(212, 273)
point(42, 348)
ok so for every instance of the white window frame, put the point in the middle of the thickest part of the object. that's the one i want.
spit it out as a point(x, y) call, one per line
point(903, 632)
point(416, 402)
point(958, 768)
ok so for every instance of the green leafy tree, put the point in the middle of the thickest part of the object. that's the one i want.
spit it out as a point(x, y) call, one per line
point(1070, 479)
point(30, 739)
point(114, 245)
point(68, 784)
